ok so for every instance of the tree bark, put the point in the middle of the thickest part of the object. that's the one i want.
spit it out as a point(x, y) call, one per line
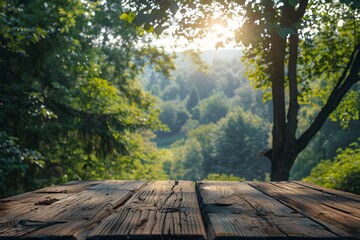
point(283, 160)
point(285, 145)
point(278, 47)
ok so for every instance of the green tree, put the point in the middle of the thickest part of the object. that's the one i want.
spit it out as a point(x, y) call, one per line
point(193, 100)
point(69, 87)
point(343, 172)
point(231, 83)
point(324, 146)
point(174, 116)
point(171, 92)
point(204, 83)
point(212, 109)
point(18, 165)
point(239, 137)
point(222, 177)
point(205, 134)
point(300, 50)
point(194, 159)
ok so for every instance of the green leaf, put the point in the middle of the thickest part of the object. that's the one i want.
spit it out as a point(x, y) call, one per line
point(123, 16)
point(131, 16)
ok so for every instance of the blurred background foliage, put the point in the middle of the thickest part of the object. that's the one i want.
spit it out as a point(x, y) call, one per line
point(230, 144)
point(71, 103)
point(341, 172)
point(85, 95)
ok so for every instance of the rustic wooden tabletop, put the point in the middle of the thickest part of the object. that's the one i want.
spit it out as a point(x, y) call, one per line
point(181, 210)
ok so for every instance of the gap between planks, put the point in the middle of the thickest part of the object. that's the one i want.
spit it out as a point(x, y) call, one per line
point(234, 209)
point(248, 210)
point(72, 216)
point(337, 221)
point(161, 210)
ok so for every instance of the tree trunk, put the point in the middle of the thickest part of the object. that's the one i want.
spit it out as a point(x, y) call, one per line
point(283, 159)
point(278, 94)
point(285, 145)
point(281, 165)
point(279, 173)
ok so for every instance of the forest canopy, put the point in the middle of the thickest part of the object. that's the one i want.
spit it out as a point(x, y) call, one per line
point(88, 91)
point(72, 106)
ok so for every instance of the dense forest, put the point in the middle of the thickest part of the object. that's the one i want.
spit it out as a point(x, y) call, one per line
point(86, 92)
point(219, 125)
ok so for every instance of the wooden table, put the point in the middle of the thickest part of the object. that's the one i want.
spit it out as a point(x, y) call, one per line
point(181, 210)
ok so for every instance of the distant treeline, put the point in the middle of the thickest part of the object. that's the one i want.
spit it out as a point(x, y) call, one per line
point(219, 123)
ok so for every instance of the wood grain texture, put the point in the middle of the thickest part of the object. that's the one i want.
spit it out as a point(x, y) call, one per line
point(170, 210)
point(70, 187)
point(289, 221)
point(14, 207)
point(161, 210)
point(335, 192)
point(228, 215)
point(342, 224)
point(73, 215)
point(14, 221)
point(341, 204)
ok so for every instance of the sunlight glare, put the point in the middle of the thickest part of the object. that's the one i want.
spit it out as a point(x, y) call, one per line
point(217, 32)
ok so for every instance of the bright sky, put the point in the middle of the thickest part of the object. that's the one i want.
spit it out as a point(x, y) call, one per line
point(218, 32)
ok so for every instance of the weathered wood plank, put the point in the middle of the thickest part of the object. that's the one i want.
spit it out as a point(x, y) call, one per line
point(339, 222)
point(161, 210)
point(342, 204)
point(14, 210)
point(16, 206)
point(167, 210)
point(288, 220)
point(227, 215)
point(73, 215)
point(338, 193)
point(70, 187)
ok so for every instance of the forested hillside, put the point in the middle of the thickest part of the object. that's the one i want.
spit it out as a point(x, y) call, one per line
point(219, 123)
point(88, 92)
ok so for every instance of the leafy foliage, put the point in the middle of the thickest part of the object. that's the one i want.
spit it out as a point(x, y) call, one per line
point(298, 52)
point(239, 138)
point(342, 172)
point(18, 165)
point(222, 177)
point(72, 106)
point(212, 109)
point(70, 91)
point(331, 137)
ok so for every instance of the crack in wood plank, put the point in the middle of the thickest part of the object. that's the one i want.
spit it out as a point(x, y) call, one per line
point(161, 210)
point(170, 210)
point(73, 214)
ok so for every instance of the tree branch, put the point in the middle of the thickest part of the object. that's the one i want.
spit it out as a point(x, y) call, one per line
point(334, 99)
point(269, 10)
point(348, 66)
point(290, 15)
point(299, 13)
